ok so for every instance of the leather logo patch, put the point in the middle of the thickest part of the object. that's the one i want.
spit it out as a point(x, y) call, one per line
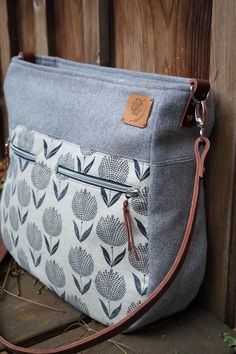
point(137, 110)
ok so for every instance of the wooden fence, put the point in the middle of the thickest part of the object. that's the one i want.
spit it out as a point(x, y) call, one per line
point(193, 38)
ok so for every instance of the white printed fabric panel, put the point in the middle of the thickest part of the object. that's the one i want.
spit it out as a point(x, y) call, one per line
point(62, 220)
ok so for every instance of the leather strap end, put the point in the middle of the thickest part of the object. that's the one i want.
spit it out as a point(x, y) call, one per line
point(3, 252)
point(27, 56)
point(200, 90)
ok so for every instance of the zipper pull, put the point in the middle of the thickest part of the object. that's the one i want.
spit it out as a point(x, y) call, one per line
point(132, 192)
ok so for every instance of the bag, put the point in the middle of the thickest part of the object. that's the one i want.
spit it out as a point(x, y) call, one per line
point(100, 199)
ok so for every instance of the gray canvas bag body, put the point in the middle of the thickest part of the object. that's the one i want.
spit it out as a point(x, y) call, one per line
point(95, 208)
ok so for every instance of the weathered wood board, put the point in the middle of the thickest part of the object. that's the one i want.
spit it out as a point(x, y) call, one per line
point(168, 37)
point(192, 331)
point(23, 322)
point(219, 291)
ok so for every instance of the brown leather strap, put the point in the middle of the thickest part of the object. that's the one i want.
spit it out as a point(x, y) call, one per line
point(3, 252)
point(27, 56)
point(200, 89)
point(157, 293)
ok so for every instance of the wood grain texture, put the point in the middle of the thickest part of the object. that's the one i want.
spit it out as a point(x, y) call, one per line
point(96, 32)
point(5, 49)
point(230, 311)
point(65, 29)
point(40, 27)
point(79, 30)
point(166, 36)
point(193, 331)
point(25, 25)
point(27, 323)
point(220, 284)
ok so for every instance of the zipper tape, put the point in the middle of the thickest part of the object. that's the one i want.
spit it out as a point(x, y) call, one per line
point(95, 181)
point(24, 154)
point(82, 177)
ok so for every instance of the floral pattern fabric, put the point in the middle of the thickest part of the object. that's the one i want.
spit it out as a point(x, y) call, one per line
point(71, 234)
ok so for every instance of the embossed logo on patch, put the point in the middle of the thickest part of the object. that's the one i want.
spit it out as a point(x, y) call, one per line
point(137, 110)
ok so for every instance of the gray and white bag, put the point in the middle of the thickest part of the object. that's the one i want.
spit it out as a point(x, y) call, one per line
point(98, 201)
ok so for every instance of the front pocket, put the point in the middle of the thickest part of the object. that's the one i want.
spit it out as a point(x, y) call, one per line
point(78, 220)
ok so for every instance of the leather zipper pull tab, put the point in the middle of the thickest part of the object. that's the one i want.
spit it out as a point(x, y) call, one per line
point(6, 154)
point(127, 218)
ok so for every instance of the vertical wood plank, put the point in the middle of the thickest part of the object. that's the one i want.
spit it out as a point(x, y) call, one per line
point(5, 49)
point(25, 25)
point(230, 312)
point(166, 36)
point(220, 284)
point(90, 31)
point(105, 18)
point(96, 31)
point(65, 27)
point(40, 27)
point(79, 30)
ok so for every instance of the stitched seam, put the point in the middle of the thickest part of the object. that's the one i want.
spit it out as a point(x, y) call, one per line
point(183, 159)
point(64, 73)
point(174, 162)
point(101, 69)
point(131, 160)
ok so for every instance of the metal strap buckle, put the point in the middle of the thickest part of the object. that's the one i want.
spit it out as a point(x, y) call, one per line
point(201, 116)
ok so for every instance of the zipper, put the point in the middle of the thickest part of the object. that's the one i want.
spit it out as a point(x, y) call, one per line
point(23, 154)
point(129, 192)
point(97, 181)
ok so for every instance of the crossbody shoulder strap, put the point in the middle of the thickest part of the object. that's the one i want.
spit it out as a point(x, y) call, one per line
point(3, 252)
point(201, 148)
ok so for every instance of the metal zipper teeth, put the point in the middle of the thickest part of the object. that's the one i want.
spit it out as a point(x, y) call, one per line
point(95, 181)
point(23, 154)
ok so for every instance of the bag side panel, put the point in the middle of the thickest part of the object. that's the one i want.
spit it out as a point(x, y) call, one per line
point(168, 214)
point(171, 187)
